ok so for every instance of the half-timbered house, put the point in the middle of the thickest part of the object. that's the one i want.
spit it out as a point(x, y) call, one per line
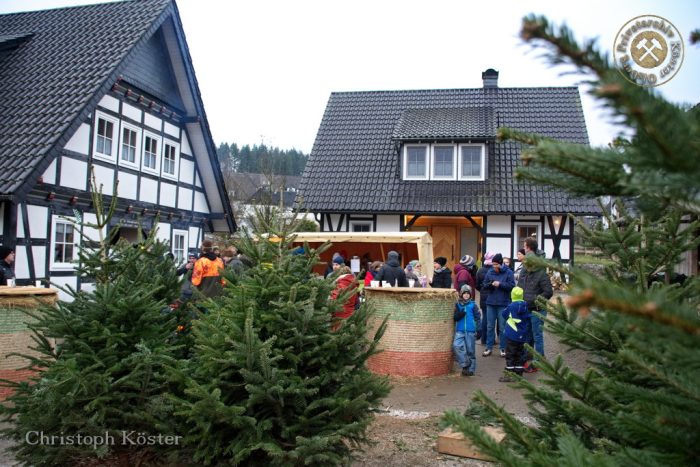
point(109, 89)
point(429, 160)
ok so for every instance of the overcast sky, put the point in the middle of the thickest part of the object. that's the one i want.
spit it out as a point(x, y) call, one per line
point(266, 68)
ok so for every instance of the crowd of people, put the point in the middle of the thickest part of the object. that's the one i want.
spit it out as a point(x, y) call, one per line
point(507, 314)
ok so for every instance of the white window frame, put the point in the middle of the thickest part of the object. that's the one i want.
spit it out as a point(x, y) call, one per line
point(482, 174)
point(433, 162)
point(427, 162)
point(116, 129)
point(182, 234)
point(518, 243)
point(159, 151)
point(63, 265)
point(173, 176)
point(361, 223)
point(137, 148)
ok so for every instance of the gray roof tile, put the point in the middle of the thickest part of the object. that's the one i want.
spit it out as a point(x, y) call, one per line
point(52, 63)
point(355, 151)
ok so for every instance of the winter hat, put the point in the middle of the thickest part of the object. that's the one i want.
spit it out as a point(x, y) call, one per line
point(409, 268)
point(516, 294)
point(467, 261)
point(339, 260)
point(466, 288)
point(498, 258)
point(441, 260)
point(4, 251)
point(393, 255)
point(488, 259)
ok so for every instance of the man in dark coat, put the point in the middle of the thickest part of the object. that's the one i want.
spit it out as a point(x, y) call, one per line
point(392, 272)
point(442, 276)
point(7, 257)
point(535, 283)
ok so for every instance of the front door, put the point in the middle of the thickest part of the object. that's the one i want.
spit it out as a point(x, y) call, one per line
point(444, 243)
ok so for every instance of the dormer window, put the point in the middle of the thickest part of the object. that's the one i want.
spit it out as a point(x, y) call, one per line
point(444, 162)
point(416, 162)
point(472, 162)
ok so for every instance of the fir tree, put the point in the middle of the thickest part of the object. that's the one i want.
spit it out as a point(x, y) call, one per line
point(102, 356)
point(269, 382)
point(639, 402)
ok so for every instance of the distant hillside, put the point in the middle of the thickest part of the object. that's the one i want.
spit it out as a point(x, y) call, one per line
point(261, 159)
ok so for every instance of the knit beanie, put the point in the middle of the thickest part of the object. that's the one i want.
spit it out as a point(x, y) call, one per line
point(465, 288)
point(467, 261)
point(339, 260)
point(498, 258)
point(488, 259)
point(516, 294)
point(441, 260)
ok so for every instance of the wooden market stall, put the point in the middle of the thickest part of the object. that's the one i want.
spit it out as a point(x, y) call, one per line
point(373, 245)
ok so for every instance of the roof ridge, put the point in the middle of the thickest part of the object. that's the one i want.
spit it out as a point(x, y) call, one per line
point(432, 91)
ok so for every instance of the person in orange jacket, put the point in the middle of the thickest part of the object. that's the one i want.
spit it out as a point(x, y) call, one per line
point(208, 269)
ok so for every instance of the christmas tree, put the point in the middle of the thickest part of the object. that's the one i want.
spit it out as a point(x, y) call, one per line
point(639, 402)
point(102, 357)
point(269, 381)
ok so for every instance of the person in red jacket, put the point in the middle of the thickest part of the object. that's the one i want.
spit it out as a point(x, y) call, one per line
point(346, 280)
point(206, 277)
point(462, 274)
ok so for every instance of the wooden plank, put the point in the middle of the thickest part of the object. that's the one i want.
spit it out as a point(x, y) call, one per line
point(455, 444)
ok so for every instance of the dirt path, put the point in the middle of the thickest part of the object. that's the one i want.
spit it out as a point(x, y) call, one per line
point(406, 433)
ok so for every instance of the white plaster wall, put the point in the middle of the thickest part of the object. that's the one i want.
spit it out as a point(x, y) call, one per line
point(38, 219)
point(167, 194)
point(185, 144)
point(498, 224)
point(171, 130)
point(163, 232)
point(49, 174)
point(149, 190)
point(389, 223)
point(194, 237)
point(63, 281)
point(73, 173)
point(184, 199)
point(131, 112)
point(499, 245)
point(80, 141)
point(563, 248)
point(91, 232)
point(39, 253)
point(21, 262)
point(127, 185)
point(200, 202)
point(153, 122)
point(105, 176)
point(109, 102)
point(187, 171)
point(20, 225)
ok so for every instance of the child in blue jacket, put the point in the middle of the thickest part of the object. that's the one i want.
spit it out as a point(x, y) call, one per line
point(467, 324)
point(517, 332)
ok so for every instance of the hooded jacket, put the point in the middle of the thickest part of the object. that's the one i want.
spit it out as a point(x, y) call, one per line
point(392, 272)
point(206, 276)
point(463, 276)
point(467, 316)
point(517, 318)
point(343, 282)
point(442, 278)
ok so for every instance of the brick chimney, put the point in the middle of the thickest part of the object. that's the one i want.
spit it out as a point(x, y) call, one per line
point(490, 78)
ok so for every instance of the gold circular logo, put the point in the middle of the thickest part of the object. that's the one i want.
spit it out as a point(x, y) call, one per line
point(648, 50)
